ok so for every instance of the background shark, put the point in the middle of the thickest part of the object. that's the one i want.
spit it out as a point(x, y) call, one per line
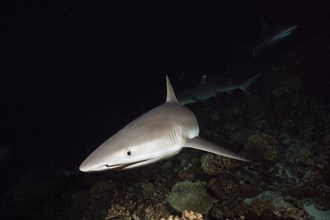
point(204, 91)
point(156, 135)
point(270, 36)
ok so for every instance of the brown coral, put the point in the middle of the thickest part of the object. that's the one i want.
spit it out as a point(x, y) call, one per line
point(305, 154)
point(189, 167)
point(156, 211)
point(238, 139)
point(261, 147)
point(223, 187)
point(216, 164)
point(259, 206)
point(148, 189)
point(292, 212)
point(229, 210)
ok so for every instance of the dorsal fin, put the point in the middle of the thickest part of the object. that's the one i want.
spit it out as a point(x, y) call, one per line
point(203, 80)
point(170, 93)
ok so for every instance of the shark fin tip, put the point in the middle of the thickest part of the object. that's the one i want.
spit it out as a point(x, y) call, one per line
point(170, 93)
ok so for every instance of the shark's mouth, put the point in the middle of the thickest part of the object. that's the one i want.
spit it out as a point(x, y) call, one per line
point(127, 165)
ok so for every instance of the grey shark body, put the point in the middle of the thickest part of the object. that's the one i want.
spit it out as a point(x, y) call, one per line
point(204, 91)
point(156, 135)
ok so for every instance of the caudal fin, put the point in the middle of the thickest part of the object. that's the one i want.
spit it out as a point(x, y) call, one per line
point(245, 85)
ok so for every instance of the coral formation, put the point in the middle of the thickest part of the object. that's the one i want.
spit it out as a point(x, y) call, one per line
point(147, 189)
point(118, 211)
point(190, 196)
point(238, 139)
point(305, 156)
point(215, 164)
point(152, 213)
point(224, 187)
point(186, 215)
point(259, 206)
point(292, 212)
point(191, 215)
point(232, 210)
point(155, 211)
point(189, 168)
point(261, 147)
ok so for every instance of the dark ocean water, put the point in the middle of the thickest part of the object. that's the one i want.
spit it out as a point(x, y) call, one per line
point(73, 74)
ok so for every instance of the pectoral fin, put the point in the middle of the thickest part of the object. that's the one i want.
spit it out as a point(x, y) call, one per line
point(201, 144)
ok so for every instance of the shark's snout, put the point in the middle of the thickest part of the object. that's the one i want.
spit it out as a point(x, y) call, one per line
point(84, 167)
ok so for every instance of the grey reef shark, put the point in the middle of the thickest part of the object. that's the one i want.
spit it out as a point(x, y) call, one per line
point(156, 135)
point(270, 36)
point(204, 90)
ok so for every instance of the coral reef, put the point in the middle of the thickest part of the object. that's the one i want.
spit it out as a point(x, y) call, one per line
point(292, 212)
point(93, 204)
point(152, 213)
point(224, 187)
point(191, 215)
point(259, 206)
point(118, 211)
point(215, 164)
point(189, 166)
point(148, 189)
point(232, 210)
point(261, 147)
point(155, 211)
point(190, 196)
point(305, 156)
point(238, 139)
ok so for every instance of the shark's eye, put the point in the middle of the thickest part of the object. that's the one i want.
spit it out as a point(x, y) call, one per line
point(128, 152)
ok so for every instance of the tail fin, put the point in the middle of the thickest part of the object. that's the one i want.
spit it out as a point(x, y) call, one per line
point(245, 85)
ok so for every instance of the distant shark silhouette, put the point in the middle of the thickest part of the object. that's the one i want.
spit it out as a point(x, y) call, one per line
point(270, 36)
point(156, 135)
point(204, 91)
